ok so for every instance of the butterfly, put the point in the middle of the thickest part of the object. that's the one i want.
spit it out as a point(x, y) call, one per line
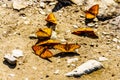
point(48, 42)
point(41, 51)
point(85, 32)
point(44, 33)
point(92, 12)
point(51, 18)
point(67, 47)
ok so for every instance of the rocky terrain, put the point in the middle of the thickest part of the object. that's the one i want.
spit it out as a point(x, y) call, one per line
point(21, 18)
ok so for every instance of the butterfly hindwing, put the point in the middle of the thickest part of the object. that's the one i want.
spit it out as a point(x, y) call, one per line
point(67, 47)
point(41, 51)
point(60, 47)
point(46, 54)
point(72, 47)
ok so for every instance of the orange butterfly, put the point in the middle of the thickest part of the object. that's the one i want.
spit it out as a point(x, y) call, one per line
point(51, 18)
point(67, 47)
point(92, 12)
point(48, 42)
point(44, 33)
point(41, 51)
point(85, 31)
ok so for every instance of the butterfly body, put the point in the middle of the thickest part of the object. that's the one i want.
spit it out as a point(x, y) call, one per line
point(41, 51)
point(67, 47)
point(92, 12)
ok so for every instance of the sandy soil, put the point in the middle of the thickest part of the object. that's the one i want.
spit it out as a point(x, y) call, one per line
point(16, 27)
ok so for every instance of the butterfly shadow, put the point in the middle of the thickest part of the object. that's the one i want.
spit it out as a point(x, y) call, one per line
point(89, 35)
point(61, 4)
point(51, 25)
point(88, 21)
point(104, 18)
point(11, 66)
point(64, 54)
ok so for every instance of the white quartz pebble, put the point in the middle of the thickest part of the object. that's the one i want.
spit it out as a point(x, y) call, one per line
point(17, 53)
point(85, 68)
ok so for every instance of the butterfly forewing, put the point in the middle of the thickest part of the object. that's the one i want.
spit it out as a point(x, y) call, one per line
point(49, 42)
point(94, 9)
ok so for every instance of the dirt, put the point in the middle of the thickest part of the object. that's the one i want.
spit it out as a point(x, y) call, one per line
point(16, 27)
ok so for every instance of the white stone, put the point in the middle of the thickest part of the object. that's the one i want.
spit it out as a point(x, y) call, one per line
point(57, 72)
point(75, 26)
point(62, 40)
point(78, 2)
point(42, 4)
point(85, 68)
point(69, 61)
point(10, 59)
point(42, 12)
point(35, 68)
point(115, 40)
point(11, 75)
point(17, 53)
point(54, 35)
point(33, 36)
point(18, 4)
point(103, 58)
point(91, 24)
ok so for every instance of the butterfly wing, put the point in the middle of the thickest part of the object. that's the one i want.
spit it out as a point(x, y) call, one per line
point(72, 47)
point(51, 18)
point(37, 49)
point(79, 31)
point(49, 42)
point(45, 32)
point(94, 9)
point(46, 54)
point(92, 12)
point(60, 47)
point(88, 15)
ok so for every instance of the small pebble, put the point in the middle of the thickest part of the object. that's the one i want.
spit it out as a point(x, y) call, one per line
point(42, 4)
point(57, 72)
point(72, 60)
point(42, 12)
point(34, 68)
point(19, 4)
point(10, 59)
point(75, 26)
point(11, 75)
point(103, 58)
point(91, 24)
point(115, 40)
point(17, 53)
point(54, 35)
